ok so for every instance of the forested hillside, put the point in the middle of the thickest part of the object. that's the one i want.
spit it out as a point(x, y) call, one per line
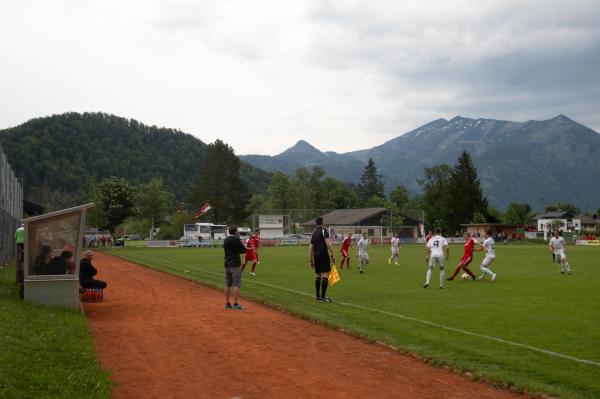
point(61, 157)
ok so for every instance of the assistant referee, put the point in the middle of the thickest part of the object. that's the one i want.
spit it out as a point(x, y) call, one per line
point(319, 252)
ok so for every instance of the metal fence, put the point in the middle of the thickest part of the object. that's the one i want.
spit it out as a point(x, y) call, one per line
point(11, 209)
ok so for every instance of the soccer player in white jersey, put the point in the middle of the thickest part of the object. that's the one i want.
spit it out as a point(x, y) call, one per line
point(395, 248)
point(490, 248)
point(362, 252)
point(437, 253)
point(557, 246)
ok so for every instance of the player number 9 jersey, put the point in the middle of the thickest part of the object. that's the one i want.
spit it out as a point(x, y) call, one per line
point(437, 245)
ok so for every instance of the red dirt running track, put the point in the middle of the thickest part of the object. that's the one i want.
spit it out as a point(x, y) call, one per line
point(165, 337)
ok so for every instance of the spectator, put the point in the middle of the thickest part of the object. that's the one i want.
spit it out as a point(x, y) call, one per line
point(60, 264)
point(42, 260)
point(233, 248)
point(87, 272)
point(20, 240)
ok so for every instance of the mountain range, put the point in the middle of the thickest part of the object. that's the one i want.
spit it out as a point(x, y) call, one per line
point(536, 162)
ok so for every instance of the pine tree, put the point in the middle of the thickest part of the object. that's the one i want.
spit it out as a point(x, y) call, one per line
point(465, 196)
point(435, 197)
point(370, 184)
point(221, 186)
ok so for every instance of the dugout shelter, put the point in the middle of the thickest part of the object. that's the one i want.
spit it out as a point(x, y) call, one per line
point(49, 278)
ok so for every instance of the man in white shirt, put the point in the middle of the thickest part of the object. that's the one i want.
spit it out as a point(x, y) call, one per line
point(362, 252)
point(395, 248)
point(437, 253)
point(557, 246)
point(490, 247)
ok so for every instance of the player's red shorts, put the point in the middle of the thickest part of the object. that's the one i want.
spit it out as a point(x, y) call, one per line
point(465, 260)
point(345, 252)
point(250, 256)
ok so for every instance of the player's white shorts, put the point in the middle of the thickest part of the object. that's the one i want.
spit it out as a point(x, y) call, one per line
point(394, 251)
point(488, 260)
point(560, 254)
point(436, 260)
point(363, 257)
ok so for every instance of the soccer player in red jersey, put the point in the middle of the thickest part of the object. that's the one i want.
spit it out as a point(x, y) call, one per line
point(345, 251)
point(428, 236)
point(257, 242)
point(466, 259)
point(250, 255)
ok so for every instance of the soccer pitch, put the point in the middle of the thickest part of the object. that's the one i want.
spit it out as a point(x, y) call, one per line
point(532, 328)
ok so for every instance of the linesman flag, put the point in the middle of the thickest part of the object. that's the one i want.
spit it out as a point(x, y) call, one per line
point(334, 277)
point(203, 209)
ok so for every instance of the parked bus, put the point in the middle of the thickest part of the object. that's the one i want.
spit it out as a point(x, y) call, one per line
point(204, 231)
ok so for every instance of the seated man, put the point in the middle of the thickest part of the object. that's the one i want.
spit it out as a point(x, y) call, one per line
point(41, 261)
point(87, 273)
point(60, 264)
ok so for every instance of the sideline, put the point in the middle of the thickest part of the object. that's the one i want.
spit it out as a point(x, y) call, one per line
point(396, 315)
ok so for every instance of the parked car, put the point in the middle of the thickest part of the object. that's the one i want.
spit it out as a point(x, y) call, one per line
point(131, 237)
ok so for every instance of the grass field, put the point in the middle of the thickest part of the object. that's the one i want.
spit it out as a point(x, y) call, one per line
point(45, 352)
point(533, 328)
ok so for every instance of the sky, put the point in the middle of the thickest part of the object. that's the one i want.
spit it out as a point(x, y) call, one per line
point(261, 75)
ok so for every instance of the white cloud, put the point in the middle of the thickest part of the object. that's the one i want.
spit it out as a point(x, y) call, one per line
point(261, 75)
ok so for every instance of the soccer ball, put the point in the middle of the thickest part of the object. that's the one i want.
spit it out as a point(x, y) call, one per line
point(465, 276)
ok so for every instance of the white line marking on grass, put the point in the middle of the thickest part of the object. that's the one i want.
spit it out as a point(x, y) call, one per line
point(413, 319)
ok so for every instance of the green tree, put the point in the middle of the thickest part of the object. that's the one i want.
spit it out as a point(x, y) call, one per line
point(370, 184)
point(435, 195)
point(563, 207)
point(518, 214)
point(116, 201)
point(337, 194)
point(220, 185)
point(153, 202)
point(257, 201)
point(136, 225)
point(304, 191)
point(494, 215)
point(315, 179)
point(280, 191)
point(464, 197)
point(94, 217)
point(400, 196)
point(174, 228)
point(376, 202)
point(478, 218)
point(416, 202)
point(308, 193)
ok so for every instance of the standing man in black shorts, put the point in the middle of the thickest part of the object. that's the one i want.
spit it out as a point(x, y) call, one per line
point(233, 248)
point(319, 252)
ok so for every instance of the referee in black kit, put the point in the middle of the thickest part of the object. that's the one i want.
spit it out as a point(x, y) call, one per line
point(319, 252)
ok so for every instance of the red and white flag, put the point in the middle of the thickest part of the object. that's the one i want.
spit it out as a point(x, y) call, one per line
point(422, 229)
point(203, 209)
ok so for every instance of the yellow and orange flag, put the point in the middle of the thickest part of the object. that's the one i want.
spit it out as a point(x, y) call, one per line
point(334, 277)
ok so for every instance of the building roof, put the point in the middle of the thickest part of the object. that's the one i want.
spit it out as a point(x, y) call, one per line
point(553, 215)
point(346, 217)
point(585, 219)
point(491, 224)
